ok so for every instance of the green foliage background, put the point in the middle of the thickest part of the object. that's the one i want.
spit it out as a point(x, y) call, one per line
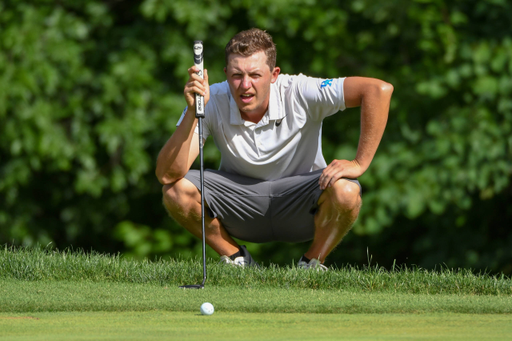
point(91, 90)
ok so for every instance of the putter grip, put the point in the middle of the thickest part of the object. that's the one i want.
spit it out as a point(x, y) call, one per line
point(198, 61)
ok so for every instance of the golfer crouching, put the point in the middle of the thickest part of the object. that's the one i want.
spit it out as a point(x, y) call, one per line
point(273, 183)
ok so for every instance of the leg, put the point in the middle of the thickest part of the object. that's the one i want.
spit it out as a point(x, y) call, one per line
point(338, 210)
point(182, 200)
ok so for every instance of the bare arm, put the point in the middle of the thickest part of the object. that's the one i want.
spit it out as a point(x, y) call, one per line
point(180, 151)
point(373, 96)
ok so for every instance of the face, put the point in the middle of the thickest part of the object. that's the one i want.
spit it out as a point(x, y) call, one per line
point(249, 79)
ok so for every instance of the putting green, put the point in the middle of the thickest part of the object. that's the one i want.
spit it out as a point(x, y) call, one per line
point(163, 325)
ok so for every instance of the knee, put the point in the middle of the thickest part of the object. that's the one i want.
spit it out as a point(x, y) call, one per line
point(179, 192)
point(345, 195)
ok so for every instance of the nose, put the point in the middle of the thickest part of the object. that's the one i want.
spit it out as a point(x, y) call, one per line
point(246, 82)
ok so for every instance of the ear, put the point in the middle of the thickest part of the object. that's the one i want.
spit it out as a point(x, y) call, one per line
point(226, 71)
point(275, 73)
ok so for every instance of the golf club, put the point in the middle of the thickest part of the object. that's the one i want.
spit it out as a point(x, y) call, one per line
point(198, 61)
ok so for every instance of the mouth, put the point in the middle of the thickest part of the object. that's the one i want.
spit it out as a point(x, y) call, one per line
point(246, 98)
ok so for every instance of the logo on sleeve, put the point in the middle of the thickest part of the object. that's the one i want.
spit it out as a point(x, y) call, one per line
point(325, 83)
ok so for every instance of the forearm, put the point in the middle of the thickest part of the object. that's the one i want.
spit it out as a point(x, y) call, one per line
point(177, 155)
point(374, 115)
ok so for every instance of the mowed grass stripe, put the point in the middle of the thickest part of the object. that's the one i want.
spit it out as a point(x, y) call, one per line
point(37, 264)
point(161, 325)
point(49, 296)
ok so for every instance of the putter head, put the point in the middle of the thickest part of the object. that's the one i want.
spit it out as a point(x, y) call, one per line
point(193, 286)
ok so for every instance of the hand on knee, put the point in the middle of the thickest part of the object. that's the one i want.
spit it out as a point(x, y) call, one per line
point(344, 195)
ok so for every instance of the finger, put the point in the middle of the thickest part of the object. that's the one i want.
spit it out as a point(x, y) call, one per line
point(190, 93)
point(321, 180)
point(325, 178)
point(334, 178)
point(193, 73)
point(196, 78)
point(323, 184)
point(329, 180)
point(332, 173)
point(193, 70)
point(196, 86)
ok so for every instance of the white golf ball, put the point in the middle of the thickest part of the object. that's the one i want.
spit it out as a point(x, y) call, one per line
point(207, 308)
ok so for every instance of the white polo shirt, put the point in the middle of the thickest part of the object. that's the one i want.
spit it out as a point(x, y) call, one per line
point(288, 139)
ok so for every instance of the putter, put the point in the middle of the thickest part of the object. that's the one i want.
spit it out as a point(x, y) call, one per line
point(198, 61)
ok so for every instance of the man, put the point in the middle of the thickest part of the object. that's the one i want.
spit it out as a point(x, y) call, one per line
point(273, 183)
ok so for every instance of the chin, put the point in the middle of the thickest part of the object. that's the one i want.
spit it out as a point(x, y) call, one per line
point(246, 109)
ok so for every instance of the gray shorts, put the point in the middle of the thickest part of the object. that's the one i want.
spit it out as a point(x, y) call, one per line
point(261, 211)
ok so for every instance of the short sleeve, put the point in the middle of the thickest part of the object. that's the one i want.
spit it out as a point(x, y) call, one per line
point(320, 97)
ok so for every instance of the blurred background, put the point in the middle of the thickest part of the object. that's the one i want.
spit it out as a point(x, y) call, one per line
point(91, 90)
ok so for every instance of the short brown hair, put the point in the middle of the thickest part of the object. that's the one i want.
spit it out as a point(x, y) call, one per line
point(247, 43)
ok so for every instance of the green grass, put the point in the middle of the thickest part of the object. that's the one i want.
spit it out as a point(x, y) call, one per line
point(29, 264)
point(163, 325)
point(47, 294)
point(42, 296)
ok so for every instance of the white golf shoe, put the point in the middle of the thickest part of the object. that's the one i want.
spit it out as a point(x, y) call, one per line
point(243, 260)
point(313, 264)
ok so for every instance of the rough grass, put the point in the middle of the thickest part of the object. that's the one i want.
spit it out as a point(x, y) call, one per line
point(40, 264)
